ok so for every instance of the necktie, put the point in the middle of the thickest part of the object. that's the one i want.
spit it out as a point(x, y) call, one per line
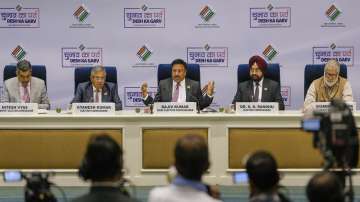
point(26, 96)
point(97, 97)
point(256, 94)
point(176, 93)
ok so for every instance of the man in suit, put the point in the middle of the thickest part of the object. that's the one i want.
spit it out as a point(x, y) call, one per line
point(179, 89)
point(258, 88)
point(25, 88)
point(103, 166)
point(97, 90)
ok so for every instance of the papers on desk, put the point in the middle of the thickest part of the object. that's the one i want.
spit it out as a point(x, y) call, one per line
point(257, 107)
point(18, 108)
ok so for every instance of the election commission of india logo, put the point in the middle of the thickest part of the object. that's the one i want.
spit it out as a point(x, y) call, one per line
point(206, 13)
point(81, 13)
point(270, 52)
point(144, 53)
point(333, 12)
point(19, 17)
point(18, 53)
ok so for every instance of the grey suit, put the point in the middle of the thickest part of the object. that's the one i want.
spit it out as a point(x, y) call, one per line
point(193, 93)
point(38, 92)
point(270, 92)
point(84, 93)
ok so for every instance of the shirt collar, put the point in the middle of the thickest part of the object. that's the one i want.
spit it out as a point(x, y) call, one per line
point(181, 181)
point(182, 83)
point(260, 82)
point(94, 89)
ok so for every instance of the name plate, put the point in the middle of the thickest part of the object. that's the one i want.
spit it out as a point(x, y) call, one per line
point(107, 108)
point(257, 107)
point(175, 107)
point(325, 106)
point(18, 108)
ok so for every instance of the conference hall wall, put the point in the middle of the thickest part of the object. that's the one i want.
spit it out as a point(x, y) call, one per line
point(136, 36)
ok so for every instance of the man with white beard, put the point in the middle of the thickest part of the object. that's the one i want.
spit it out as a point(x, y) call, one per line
point(328, 87)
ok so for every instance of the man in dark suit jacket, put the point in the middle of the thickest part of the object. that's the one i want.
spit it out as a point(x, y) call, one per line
point(258, 89)
point(102, 165)
point(98, 90)
point(179, 89)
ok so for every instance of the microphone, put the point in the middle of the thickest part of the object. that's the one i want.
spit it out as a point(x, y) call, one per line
point(192, 97)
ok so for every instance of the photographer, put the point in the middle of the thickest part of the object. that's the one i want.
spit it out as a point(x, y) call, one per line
point(102, 165)
point(191, 162)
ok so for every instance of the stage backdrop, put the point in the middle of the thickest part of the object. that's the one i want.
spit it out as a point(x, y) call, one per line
point(137, 35)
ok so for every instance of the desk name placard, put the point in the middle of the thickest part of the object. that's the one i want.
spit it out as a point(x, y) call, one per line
point(325, 106)
point(18, 108)
point(107, 108)
point(175, 108)
point(257, 107)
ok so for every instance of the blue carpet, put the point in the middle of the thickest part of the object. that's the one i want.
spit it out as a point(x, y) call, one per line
point(229, 193)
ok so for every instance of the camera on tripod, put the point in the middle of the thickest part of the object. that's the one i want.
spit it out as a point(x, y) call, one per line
point(335, 135)
point(37, 188)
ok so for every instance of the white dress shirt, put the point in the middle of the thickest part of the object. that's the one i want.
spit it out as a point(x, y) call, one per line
point(94, 95)
point(22, 91)
point(182, 91)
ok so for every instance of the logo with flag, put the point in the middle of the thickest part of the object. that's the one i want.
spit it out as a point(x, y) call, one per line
point(81, 13)
point(333, 12)
point(270, 52)
point(144, 53)
point(206, 13)
point(18, 53)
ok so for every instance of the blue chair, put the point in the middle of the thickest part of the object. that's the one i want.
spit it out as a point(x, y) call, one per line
point(272, 72)
point(82, 74)
point(316, 71)
point(38, 71)
point(192, 72)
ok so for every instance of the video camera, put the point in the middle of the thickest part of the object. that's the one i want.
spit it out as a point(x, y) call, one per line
point(335, 135)
point(37, 187)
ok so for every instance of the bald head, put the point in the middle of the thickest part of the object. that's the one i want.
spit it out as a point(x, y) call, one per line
point(325, 186)
point(191, 157)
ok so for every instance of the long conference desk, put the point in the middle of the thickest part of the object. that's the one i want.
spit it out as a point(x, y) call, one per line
point(57, 141)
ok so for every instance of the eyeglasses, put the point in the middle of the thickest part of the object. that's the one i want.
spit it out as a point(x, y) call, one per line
point(98, 78)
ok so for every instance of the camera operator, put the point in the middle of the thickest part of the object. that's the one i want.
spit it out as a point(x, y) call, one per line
point(191, 162)
point(336, 136)
point(102, 165)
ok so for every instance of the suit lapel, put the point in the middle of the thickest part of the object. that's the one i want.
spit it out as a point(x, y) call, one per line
point(187, 90)
point(32, 90)
point(250, 92)
point(105, 94)
point(89, 93)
